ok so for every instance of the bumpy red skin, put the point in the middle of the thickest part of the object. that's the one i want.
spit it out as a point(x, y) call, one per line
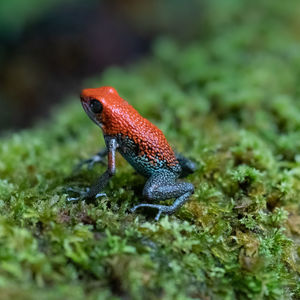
point(142, 144)
point(120, 118)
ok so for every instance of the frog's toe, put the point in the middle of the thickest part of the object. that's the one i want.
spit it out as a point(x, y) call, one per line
point(82, 194)
point(161, 209)
point(75, 190)
point(70, 199)
point(90, 163)
point(100, 195)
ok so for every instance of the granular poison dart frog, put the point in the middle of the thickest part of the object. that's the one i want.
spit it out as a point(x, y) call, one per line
point(142, 144)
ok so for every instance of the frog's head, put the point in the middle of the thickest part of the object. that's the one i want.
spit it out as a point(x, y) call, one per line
point(99, 102)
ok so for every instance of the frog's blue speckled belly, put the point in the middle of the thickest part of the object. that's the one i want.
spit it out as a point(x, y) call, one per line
point(142, 164)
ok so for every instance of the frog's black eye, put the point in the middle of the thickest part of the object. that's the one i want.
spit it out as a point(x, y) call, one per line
point(96, 106)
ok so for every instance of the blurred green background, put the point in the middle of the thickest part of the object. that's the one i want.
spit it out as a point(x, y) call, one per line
point(47, 48)
point(221, 79)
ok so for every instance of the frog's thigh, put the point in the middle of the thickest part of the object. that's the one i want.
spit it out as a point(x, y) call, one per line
point(162, 185)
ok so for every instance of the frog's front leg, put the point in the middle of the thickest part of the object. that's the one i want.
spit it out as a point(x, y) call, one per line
point(97, 158)
point(95, 189)
point(161, 186)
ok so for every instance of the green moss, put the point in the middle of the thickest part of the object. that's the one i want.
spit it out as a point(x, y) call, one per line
point(230, 102)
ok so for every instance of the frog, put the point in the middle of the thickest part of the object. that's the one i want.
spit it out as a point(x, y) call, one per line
point(143, 145)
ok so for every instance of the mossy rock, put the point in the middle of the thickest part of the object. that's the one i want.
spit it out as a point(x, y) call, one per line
point(230, 102)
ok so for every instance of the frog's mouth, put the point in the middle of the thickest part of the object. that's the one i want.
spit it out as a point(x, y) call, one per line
point(91, 115)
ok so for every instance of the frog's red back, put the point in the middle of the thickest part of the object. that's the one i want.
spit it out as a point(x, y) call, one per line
point(119, 118)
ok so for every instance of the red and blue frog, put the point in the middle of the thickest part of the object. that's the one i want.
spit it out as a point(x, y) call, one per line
point(142, 144)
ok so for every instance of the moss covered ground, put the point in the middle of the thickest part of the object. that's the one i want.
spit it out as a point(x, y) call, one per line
point(231, 102)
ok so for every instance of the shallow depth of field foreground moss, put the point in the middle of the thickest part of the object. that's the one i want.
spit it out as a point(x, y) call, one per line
point(232, 103)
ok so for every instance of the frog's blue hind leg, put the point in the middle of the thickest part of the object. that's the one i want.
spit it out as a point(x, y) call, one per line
point(162, 185)
point(187, 165)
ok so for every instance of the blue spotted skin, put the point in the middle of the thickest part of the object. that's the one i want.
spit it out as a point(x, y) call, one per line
point(142, 144)
point(162, 183)
point(162, 178)
point(141, 163)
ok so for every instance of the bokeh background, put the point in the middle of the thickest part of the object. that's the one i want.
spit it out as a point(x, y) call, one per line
point(48, 48)
point(221, 79)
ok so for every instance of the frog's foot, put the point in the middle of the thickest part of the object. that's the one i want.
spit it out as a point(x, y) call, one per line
point(96, 159)
point(161, 209)
point(82, 194)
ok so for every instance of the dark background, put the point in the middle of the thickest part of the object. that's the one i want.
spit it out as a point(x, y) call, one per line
point(48, 48)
